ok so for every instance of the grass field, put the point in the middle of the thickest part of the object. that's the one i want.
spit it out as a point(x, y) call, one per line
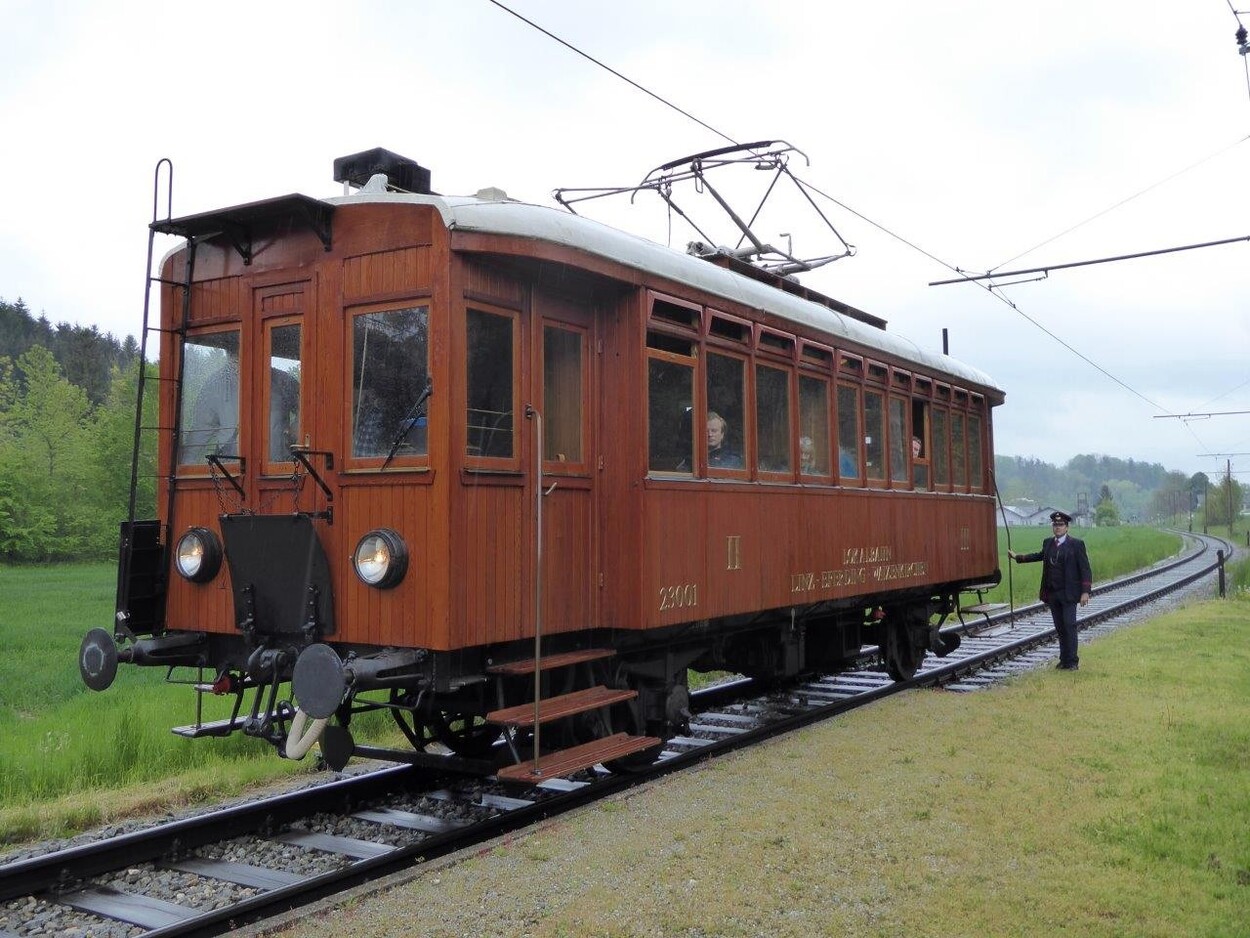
point(71, 758)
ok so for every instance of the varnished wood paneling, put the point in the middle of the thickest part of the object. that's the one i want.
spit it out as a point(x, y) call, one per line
point(387, 273)
point(497, 607)
point(207, 607)
point(216, 301)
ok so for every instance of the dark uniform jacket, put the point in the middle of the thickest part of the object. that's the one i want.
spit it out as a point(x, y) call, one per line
point(1067, 574)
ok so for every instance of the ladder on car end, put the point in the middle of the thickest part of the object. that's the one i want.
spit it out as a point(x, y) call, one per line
point(141, 567)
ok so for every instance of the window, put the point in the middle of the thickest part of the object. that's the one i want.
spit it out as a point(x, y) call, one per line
point(670, 413)
point(848, 432)
point(900, 440)
point(563, 394)
point(390, 378)
point(210, 397)
point(959, 462)
point(283, 427)
point(920, 446)
point(772, 418)
point(874, 436)
point(726, 415)
point(941, 452)
point(974, 451)
point(489, 368)
point(813, 426)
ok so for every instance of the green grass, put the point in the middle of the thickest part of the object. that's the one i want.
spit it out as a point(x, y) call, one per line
point(1109, 802)
point(1113, 552)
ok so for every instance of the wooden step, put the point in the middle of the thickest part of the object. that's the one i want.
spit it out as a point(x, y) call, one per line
point(567, 761)
point(984, 608)
point(526, 665)
point(565, 705)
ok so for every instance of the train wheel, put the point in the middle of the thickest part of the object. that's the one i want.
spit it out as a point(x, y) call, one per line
point(467, 735)
point(902, 645)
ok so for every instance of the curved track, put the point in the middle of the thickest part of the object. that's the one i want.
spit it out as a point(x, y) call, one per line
point(215, 871)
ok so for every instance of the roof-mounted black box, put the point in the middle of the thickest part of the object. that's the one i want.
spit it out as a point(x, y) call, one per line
point(401, 172)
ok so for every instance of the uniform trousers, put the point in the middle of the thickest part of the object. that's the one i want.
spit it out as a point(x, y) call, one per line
point(1064, 615)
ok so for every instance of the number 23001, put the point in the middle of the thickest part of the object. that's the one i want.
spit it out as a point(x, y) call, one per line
point(679, 597)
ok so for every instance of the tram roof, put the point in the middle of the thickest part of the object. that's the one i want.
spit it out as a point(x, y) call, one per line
point(543, 223)
point(503, 216)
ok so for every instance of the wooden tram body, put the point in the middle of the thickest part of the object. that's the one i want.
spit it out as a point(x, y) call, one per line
point(557, 482)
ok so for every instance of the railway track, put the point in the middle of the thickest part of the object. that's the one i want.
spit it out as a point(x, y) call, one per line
point(209, 873)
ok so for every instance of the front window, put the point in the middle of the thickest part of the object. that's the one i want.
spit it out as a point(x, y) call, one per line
point(959, 462)
point(390, 360)
point(974, 451)
point(210, 397)
point(489, 372)
point(283, 427)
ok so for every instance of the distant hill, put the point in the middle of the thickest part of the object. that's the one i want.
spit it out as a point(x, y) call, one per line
point(83, 352)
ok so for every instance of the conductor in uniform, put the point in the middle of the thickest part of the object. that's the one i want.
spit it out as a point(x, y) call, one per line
point(1066, 581)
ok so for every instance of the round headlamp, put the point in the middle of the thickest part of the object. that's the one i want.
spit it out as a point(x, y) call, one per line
point(380, 558)
point(198, 555)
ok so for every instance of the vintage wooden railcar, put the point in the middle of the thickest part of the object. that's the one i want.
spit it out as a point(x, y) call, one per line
point(457, 458)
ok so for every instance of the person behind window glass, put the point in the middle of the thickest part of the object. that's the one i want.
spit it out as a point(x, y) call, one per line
point(720, 455)
point(214, 424)
point(807, 455)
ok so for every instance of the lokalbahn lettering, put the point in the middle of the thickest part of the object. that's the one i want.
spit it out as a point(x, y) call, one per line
point(858, 556)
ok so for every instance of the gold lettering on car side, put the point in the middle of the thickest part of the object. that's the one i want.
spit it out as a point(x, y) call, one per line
point(860, 565)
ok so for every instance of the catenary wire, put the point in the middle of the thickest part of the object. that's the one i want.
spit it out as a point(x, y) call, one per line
point(996, 292)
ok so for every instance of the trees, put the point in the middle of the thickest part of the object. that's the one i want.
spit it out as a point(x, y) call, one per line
point(64, 465)
point(1106, 514)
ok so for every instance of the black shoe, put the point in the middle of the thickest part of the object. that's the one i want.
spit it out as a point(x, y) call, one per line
point(1067, 667)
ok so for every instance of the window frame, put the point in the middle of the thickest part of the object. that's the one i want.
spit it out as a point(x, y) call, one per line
point(201, 469)
point(269, 466)
point(579, 466)
point(401, 461)
point(510, 463)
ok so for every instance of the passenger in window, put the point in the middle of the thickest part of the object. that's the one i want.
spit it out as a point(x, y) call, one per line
point(807, 455)
point(720, 455)
point(848, 464)
point(916, 447)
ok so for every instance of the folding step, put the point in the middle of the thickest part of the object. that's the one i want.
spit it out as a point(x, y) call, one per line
point(527, 665)
point(567, 761)
point(554, 708)
point(983, 608)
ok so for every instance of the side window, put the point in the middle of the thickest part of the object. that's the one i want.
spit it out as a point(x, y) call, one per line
point(900, 440)
point(974, 452)
point(772, 418)
point(920, 446)
point(848, 432)
point(489, 372)
point(959, 462)
point(874, 436)
point(726, 415)
point(210, 397)
point(813, 426)
point(283, 390)
point(670, 412)
point(563, 394)
point(941, 453)
point(390, 378)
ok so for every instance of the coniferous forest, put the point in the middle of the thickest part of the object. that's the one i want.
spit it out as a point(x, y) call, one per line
point(67, 398)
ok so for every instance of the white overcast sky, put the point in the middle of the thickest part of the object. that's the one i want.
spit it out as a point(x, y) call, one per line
point(974, 129)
